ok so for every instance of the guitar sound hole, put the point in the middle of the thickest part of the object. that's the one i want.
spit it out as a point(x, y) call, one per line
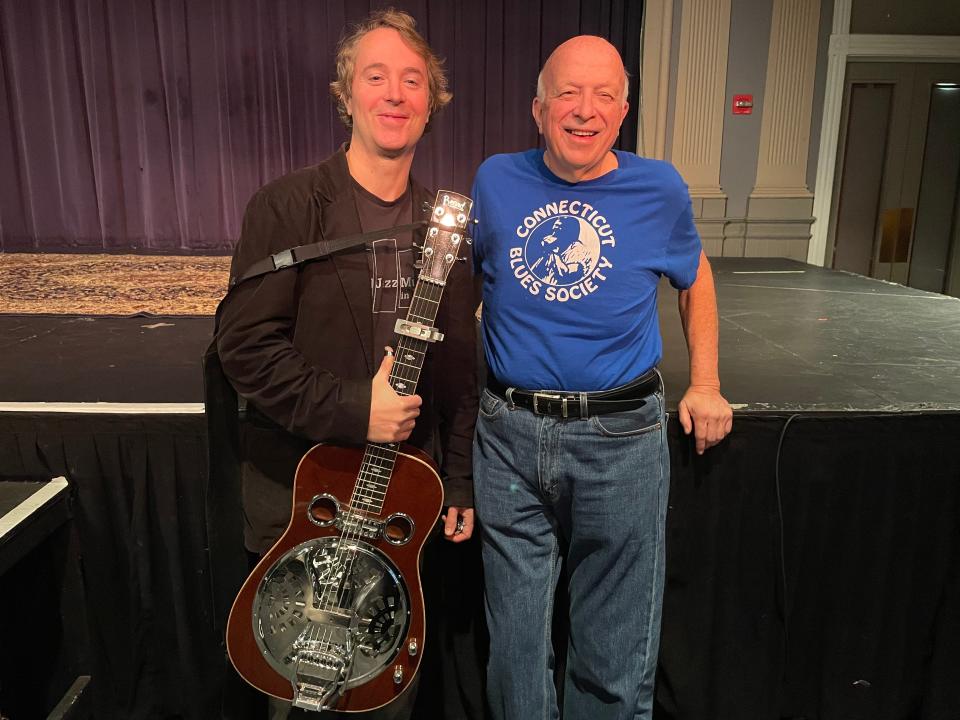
point(398, 529)
point(323, 510)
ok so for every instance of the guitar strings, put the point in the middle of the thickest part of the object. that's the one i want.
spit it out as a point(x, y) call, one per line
point(380, 457)
point(371, 471)
point(343, 566)
point(423, 310)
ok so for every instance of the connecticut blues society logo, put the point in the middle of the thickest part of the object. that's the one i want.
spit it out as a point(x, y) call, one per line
point(562, 255)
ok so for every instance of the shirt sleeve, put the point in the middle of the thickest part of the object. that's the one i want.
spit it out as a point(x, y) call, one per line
point(682, 257)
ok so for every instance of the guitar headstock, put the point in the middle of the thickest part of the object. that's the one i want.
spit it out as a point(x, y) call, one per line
point(446, 234)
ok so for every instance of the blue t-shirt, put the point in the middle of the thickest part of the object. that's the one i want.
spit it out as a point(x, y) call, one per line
point(570, 270)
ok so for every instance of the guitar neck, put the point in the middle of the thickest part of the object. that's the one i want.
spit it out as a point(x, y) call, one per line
point(410, 352)
point(448, 220)
point(379, 458)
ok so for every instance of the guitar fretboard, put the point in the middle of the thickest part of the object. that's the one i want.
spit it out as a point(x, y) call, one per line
point(409, 354)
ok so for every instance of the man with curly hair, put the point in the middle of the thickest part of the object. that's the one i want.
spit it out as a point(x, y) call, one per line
point(306, 346)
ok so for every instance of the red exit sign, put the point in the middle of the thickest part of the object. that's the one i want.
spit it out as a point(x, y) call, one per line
point(742, 104)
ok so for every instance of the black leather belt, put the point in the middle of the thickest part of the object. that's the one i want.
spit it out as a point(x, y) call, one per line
point(580, 404)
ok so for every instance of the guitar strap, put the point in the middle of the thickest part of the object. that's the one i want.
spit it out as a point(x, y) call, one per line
point(223, 406)
point(314, 251)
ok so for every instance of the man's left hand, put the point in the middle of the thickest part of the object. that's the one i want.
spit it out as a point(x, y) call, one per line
point(704, 411)
point(458, 524)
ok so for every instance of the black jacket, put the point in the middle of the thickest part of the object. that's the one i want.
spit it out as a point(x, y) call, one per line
point(298, 345)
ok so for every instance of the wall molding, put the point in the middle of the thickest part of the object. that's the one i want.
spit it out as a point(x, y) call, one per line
point(788, 100)
point(655, 78)
point(701, 92)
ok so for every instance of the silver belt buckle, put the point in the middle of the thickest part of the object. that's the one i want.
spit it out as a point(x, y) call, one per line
point(549, 396)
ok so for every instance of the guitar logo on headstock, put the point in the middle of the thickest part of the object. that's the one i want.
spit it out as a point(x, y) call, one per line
point(445, 235)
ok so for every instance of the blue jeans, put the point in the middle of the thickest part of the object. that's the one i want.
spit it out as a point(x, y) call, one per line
point(592, 493)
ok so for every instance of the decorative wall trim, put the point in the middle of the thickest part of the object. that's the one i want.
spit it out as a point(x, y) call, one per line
point(912, 48)
point(788, 100)
point(755, 237)
point(655, 79)
point(701, 91)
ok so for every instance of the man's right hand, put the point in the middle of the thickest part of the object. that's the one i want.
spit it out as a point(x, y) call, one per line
point(392, 416)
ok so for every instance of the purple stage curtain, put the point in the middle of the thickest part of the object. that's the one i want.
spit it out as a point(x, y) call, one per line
point(144, 125)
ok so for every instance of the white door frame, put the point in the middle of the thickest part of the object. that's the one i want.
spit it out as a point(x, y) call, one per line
point(844, 48)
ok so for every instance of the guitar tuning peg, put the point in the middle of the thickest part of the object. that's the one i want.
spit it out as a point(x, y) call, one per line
point(427, 207)
point(474, 221)
point(468, 240)
point(461, 259)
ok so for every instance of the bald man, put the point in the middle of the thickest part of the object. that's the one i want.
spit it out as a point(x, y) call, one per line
point(570, 454)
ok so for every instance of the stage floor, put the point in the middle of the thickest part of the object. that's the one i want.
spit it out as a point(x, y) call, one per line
point(793, 338)
point(799, 338)
point(89, 359)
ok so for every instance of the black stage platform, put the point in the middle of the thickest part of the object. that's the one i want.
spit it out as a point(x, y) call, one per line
point(813, 558)
point(794, 337)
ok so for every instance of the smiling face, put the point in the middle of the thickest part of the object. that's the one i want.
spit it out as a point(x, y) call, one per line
point(581, 108)
point(389, 96)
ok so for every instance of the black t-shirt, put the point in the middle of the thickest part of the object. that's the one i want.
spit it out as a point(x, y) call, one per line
point(391, 259)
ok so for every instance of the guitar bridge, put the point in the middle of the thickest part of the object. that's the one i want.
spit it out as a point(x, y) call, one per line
point(321, 671)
